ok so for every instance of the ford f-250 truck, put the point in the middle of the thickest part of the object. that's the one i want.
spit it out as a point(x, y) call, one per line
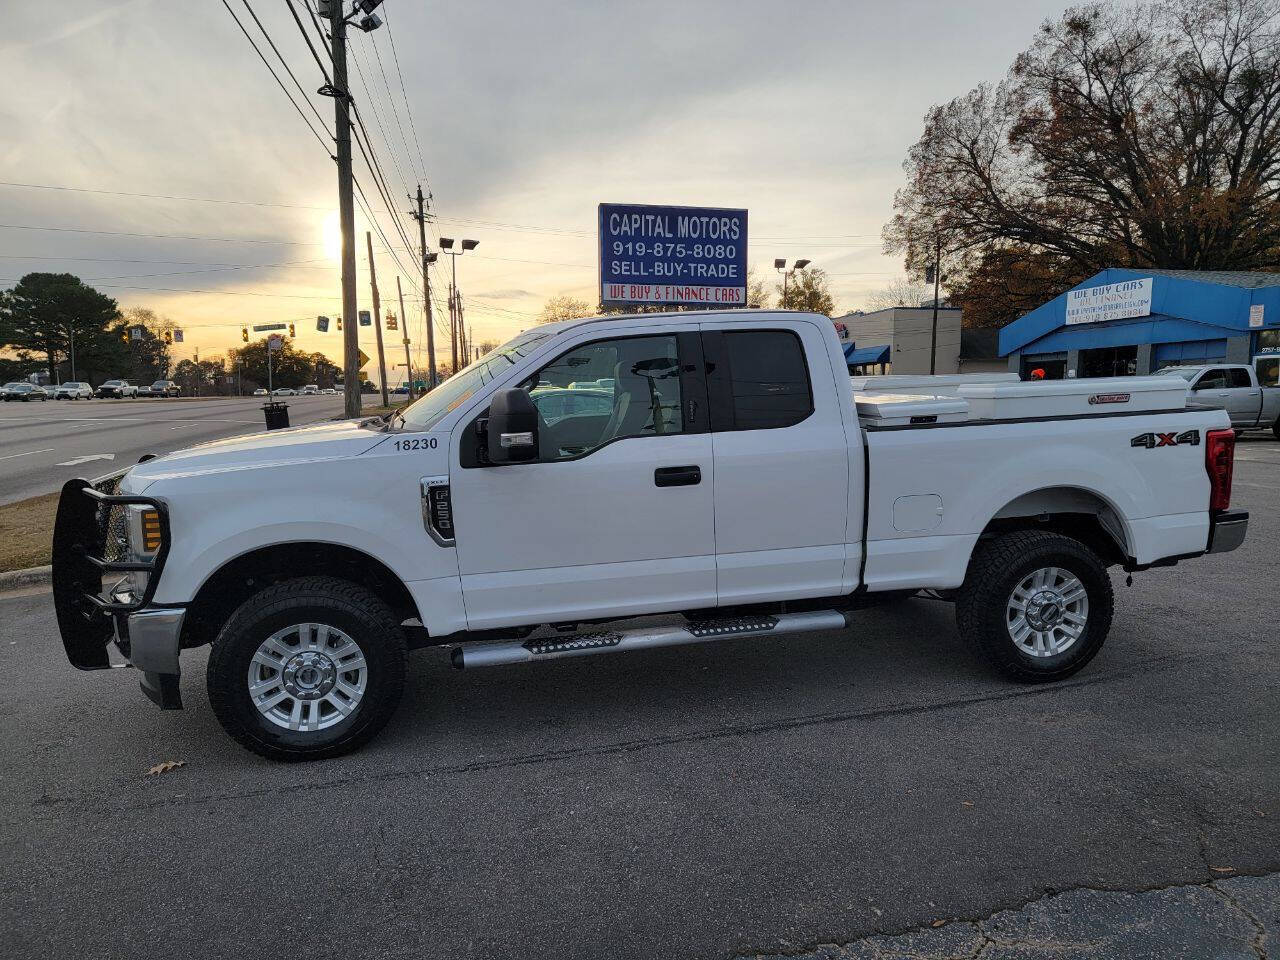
point(734, 480)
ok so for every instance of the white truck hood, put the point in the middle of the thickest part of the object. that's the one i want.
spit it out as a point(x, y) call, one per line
point(319, 442)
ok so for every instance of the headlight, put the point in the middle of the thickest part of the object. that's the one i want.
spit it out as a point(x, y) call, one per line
point(145, 535)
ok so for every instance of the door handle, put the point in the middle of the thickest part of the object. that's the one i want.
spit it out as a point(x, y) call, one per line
point(677, 476)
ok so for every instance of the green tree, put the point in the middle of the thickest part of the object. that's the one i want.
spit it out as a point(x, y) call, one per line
point(807, 290)
point(757, 290)
point(149, 356)
point(1125, 136)
point(289, 367)
point(45, 313)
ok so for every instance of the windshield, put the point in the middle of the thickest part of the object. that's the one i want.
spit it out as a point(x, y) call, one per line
point(1186, 373)
point(455, 391)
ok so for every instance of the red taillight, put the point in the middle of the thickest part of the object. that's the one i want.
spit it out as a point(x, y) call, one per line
point(1219, 459)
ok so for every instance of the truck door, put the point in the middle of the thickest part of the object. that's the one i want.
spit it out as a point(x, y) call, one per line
point(1213, 388)
point(1244, 401)
point(615, 516)
point(781, 463)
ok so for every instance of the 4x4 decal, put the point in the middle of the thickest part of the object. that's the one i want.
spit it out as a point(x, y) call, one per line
point(1152, 440)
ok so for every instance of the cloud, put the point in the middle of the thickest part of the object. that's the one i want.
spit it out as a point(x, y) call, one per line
point(505, 294)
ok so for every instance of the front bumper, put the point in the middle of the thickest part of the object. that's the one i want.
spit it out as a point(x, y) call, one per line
point(87, 545)
point(1227, 530)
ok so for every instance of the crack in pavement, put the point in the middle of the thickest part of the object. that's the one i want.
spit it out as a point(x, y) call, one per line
point(1145, 918)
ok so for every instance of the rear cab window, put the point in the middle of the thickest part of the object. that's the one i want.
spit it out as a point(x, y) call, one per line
point(759, 379)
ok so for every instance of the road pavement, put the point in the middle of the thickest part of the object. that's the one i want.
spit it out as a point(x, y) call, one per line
point(748, 797)
point(42, 445)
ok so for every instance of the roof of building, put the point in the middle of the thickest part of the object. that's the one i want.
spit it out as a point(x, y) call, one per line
point(1229, 278)
point(1186, 305)
point(854, 354)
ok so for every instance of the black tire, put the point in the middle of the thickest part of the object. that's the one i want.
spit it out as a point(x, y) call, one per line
point(326, 600)
point(1275, 429)
point(998, 565)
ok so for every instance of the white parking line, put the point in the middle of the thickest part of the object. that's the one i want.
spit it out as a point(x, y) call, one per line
point(27, 454)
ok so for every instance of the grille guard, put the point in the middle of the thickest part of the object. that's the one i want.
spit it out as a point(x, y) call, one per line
point(81, 557)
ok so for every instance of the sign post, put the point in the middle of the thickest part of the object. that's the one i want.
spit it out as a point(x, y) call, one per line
point(672, 256)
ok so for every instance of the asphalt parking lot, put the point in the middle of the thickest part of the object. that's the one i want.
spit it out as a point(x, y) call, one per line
point(42, 445)
point(734, 799)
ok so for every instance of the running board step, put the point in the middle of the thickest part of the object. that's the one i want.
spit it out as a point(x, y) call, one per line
point(480, 654)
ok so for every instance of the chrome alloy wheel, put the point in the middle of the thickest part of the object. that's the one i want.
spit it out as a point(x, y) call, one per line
point(1048, 611)
point(307, 677)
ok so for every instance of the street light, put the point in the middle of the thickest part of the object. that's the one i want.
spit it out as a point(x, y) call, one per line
point(781, 266)
point(446, 246)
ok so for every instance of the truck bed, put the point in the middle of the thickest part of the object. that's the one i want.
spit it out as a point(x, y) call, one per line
point(954, 400)
point(940, 467)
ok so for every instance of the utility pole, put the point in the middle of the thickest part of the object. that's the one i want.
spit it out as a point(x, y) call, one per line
point(453, 314)
point(377, 320)
point(427, 259)
point(937, 279)
point(346, 210)
point(404, 318)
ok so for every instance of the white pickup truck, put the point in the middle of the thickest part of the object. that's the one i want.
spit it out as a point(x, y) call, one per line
point(733, 480)
point(1249, 393)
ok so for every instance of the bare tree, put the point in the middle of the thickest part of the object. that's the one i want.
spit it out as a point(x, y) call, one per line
point(564, 307)
point(903, 292)
point(1135, 136)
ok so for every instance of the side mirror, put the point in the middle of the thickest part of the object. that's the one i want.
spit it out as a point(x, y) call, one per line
point(513, 427)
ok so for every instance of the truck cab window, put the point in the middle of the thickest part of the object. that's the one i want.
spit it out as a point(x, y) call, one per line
point(605, 391)
point(1215, 379)
point(768, 377)
point(1239, 377)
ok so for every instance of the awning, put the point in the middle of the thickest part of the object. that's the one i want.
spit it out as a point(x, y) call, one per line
point(856, 355)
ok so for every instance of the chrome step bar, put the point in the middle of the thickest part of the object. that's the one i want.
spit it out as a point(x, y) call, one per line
point(482, 654)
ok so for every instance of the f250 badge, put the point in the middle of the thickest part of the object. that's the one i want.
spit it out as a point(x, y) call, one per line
point(1152, 440)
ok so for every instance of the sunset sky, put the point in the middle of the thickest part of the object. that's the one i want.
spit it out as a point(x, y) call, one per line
point(526, 115)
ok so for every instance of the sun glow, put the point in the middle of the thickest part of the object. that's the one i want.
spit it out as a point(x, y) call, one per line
point(331, 232)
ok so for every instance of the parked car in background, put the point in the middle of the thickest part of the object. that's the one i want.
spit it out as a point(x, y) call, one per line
point(144, 390)
point(285, 392)
point(310, 390)
point(8, 386)
point(400, 390)
point(260, 392)
point(73, 390)
point(1238, 388)
point(165, 388)
point(24, 392)
point(329, 391)
point(117, 389)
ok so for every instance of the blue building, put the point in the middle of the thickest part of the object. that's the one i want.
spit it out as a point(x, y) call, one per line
point(1122, 322)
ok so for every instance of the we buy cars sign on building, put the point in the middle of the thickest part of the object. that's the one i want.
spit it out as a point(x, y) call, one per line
point(690, 256)
point(1111, 301)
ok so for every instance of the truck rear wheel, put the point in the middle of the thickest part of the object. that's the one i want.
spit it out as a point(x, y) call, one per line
point(1037, 605)
point(307, 669)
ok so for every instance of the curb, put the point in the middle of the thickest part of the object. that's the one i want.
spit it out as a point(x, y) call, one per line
point(25, 578)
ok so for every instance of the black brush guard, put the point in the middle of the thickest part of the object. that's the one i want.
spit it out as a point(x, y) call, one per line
point(88, 540)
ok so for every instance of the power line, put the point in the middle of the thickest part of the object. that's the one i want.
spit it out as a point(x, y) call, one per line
point(158, 236)
point(280, 82)
point(412, 126)
point(284, 63)
point(391, 97)
point(159, 196)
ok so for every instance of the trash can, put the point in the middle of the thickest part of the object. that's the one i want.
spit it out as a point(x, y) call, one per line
point(276, 414)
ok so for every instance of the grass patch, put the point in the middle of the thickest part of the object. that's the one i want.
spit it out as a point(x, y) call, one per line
point(26, 532)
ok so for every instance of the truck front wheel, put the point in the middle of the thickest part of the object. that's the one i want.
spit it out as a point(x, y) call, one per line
point(307, 669)
point(1037, 605)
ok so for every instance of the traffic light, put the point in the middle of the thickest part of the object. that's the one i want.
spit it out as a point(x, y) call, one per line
point(244, 334)
point(124, 335)
point(339, 319)
point(168, 336)
point(291, 330)
point(392, 323)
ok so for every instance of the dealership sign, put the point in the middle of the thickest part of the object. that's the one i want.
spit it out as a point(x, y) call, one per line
point(1111, 301)
point(676, 256)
